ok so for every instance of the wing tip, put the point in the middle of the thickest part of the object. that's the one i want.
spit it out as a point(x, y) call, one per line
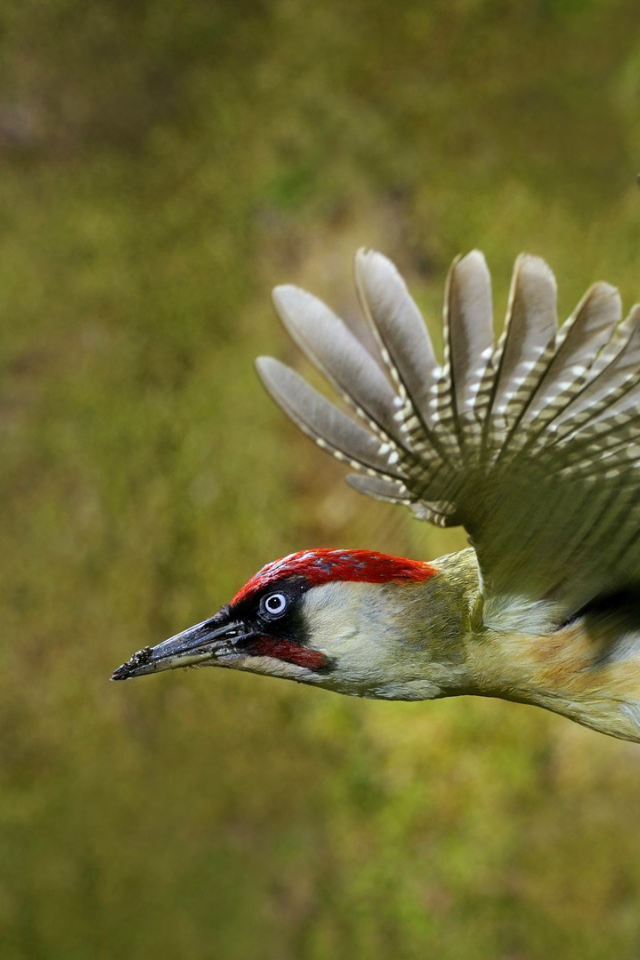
point(371, 266)
point(601, 298)
point(270, 371)
point(474, 260)
point(468, 272)
point(285, 296)
point(535, 266)
point(264, 367)
point(263, 363)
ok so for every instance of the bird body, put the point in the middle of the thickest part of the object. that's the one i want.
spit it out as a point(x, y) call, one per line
point(533, 445)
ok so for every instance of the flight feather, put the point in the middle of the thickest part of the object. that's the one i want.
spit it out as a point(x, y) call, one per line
point(533, 444)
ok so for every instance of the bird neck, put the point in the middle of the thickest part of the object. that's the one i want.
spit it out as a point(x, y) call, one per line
point(398, 641)
point(421, 641)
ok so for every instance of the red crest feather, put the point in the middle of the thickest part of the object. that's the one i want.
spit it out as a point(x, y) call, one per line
point(326, 566)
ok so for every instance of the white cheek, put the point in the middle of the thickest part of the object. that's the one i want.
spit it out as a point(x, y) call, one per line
point(364, 631)
point(360, 637)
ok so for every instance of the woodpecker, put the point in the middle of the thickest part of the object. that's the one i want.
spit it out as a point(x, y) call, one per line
point(531, 444)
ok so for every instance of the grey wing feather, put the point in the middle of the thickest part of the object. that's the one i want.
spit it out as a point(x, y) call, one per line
point(408, 355)
point(468, 332)
point(533, 446)
point(618, 373)
point(404, 342)
point(380, 488)
point(331, 429)
point(396, 492)
point(529, 329)
point(341, 358)
point(587, 330)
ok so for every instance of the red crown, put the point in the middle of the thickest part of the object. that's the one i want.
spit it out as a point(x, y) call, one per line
point(327, 566)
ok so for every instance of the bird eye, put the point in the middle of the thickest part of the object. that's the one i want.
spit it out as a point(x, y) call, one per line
point(274, 604)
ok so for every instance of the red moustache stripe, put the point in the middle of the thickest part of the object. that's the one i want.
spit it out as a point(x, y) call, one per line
point(288, 651)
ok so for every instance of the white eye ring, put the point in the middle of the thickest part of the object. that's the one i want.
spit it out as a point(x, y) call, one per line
point(275, 604)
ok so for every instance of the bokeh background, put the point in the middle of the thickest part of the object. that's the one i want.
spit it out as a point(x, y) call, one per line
point(162, 166)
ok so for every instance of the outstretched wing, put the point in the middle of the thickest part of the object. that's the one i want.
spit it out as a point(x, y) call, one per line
point(533, 444)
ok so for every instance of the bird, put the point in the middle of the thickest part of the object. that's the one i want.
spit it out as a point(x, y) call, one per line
point(530, 442)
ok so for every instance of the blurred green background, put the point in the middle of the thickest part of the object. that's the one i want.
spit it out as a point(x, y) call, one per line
point(162, 166)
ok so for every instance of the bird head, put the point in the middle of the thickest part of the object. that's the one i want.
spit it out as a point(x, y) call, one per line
point(334, 618)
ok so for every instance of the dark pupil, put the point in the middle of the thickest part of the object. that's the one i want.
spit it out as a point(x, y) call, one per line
point(275, 604)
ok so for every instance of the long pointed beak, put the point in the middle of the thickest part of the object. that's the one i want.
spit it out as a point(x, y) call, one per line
point(213, 639)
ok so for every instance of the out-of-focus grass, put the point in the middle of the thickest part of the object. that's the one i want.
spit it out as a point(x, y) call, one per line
point(163, 166)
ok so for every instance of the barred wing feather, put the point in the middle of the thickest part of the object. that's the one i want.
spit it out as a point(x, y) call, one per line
point(533, 445)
